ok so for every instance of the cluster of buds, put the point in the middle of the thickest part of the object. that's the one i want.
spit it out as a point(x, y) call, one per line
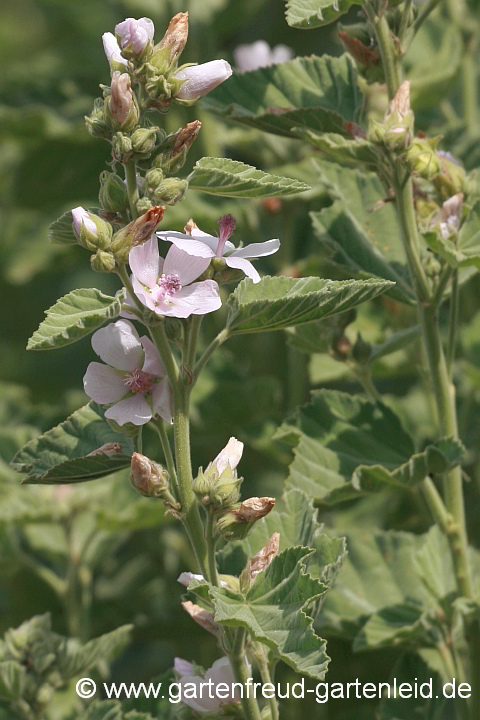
point(395, 133)
point(97, 235)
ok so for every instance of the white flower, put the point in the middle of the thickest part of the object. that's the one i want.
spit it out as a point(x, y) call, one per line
point(230, 455)
point(135, 34)
point(132, 381)
point(112, 50)
point(205, 698)
point(203, 245)
point(80, 217)
point(201, 79)
point(259, 54)
point(167, 287)
point(185, 578)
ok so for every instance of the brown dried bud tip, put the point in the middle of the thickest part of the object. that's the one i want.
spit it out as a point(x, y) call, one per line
point(176, 36)
point(122, 96)
point(361, 52)
point(148, 477)
point(112, 448)
point(202, 617)
point(185, 137)
point(264, 557)
point(401, 102)
point(190, 226)
point(254, 508)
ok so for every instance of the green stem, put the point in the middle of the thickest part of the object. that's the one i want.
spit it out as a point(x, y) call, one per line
point(238, 661)
point(202, 361)
point(391, 66)
point(442, 283)
point(167, 453)
point(211, 545)
point(469, 82)
point(365, 377)
point(267, 679)
point(436, 505)
point(191, 346)
point(423, 14)
point(132, 190)
point(452, 323)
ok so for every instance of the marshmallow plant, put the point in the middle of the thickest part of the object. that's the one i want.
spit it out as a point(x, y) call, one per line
point(155, 336)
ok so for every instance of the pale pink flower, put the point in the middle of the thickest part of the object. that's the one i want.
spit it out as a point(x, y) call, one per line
point(206, 698)
point(230, 455)
point(81, 217)
point(167, 287)
point(133, 380)
point(202, 79)
point(259, 54)
point(203, 245)
point(112, 50)
point(135, 34)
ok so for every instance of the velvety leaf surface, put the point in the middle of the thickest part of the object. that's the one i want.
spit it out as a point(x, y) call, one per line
point(61, 231)
point(72, 317)
point(276, 303)
point(345, 151)
point(230, 178)
point(307, 14)
point(317, 93)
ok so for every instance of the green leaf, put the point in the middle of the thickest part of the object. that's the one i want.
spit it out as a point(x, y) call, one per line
point(308, 14)
point(345, 151)
point(13, 680)
point(362, 229)
point(72, 317)
point(274, 611)
point(463, 250)
point(296, 520)
point(74, 658)
point(276, 303)
point(318, 337)
point(229, 178)
point(317, 93)
point(61, 455)
point(60, 232)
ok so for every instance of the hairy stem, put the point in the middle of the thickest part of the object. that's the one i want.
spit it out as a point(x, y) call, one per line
point(241, 673)
point(132, 190)
point(167, 453)
point(267, 679)
point(211, 545)
point(453, 323)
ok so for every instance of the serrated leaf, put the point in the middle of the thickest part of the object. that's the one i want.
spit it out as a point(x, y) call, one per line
point(13, 680)
point(75, 315)
point(336, 433)
point(74, 659)
point(351, 152)
point(230, 178)
point(309, 14)
point(276, 303)
point(274, 611)
point(60, 232)
point(60, 454)
point(318, 93)
point(462, 250)
point(366, 239)
point(296, 521)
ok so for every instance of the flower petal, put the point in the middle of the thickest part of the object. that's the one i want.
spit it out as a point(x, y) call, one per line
point(144, 262)
point(153, 362)
point(181, 666)
point(162, 400)
point(186, 577)
point(246, 266)
point(192, 246)
point(118, 345)
point(257, 249)
point(134, 409)
point(143, 294)
point(198, 299)
point(104, 384)
point(202, 79)
point(230, 455)
point(186, 267)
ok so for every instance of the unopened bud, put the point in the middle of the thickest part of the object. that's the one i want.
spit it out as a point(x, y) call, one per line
point(121, 107)
point(121, 147)
point(196, 81)
point(204, 618)
point(143, 141)
point(103, 261)
point(143, 206)
point(174, 149)
point(153, 179)
point(136, 233)
point(396, 130)
point(135, 36)
point(113, 193)
point(260, 562)
point(361, 351)
point(92, 232)
point(96, 123)
point(171, 191)
point(452, 178)
point(236, 523)
point(113, 52)
point(423, 159)
point(171, 46)
point(148, 477)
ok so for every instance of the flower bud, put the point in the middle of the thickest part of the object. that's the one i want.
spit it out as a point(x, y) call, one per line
point(362, 350)
point(92, 232)
point(153, 179)
point(260, 562)
point(143, 206)
point(422, 158)
point(103, 261)
point(113, 193)
point(171, 46)
point(204, 618)
point(396, 131)
point(237, 522)
point(173, 151)
point(135, 36)
point(148, 477)
point(96, 123)
point(219, 484)
point(143, 141)
point(121, 147)
point(171, 191)
point(198, 80)
point(452, 178)
point(113, 52)
point(121, 107)
point(136, 233)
